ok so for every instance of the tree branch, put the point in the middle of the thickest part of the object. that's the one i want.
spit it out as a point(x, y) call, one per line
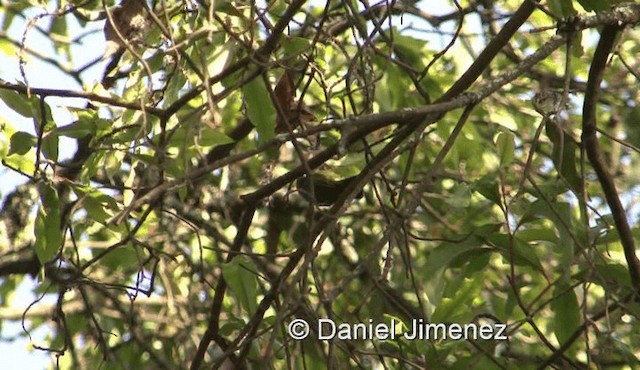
point(594, 153)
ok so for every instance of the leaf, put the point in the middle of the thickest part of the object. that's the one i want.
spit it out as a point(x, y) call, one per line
point(80, 128)
point(260, 108)
point(577, 50)
point(213, 138)
point(6, 47)
point(294, 46)
point(113, 163)
point(562, 8)
point(488, 187)
point(59, 28)
point(120, 258)
point(48, 230)
point(566, 319)
point(50, 147)
point(447, 252)
point(410, 49)
point(534, 234)
point(21, 142)
point(400, 326)
point(594, 5)
point(559, 213)
point(461, 196)
point(627, 352)
point(92, 165)
point(17, 102)
point(564, 156)
point(505, 146)
point(457, 307)
point(292, 113)
point(608, 275)
point(97, 203)
point(524, 254)
point(241, 277)
point(23, 164)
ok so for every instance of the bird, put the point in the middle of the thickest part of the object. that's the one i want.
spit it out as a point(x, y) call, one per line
point(126, 23)
point(325, 191)
point(548, 102)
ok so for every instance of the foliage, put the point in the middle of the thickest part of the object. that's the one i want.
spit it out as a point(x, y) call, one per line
point(240, 165)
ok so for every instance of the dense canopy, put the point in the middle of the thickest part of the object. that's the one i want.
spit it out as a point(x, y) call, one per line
point(219, 184)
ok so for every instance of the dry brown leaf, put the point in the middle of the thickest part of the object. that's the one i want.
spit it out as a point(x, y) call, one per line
point(293, 112)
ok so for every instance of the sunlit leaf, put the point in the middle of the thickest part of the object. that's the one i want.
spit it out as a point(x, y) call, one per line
point(505, 146)
point(17, 102)
point(21, 143)
point(48, 230)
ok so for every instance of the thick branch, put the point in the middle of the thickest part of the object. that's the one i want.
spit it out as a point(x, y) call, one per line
point(594, 153)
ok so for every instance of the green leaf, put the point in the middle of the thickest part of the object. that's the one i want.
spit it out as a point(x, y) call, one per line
point(21, 142)
point(562, 8)
point(97, 203)
point(113, 163)
point(577, 50)
point(48, 231)
point(23, 164)
point(564, 156)
point(59, 27)
point(50, 146)
point(594, 5)
point(410, 49)
point(277, 7)
point(294, 46)
point(92, 165)
point(440, 258)
point(241, 277)
point(524, 254)
point(566, 310)
point(213, 138)
point(76, 130)
point(400, 327)
point(627, 352)
point(17, 102)
point(120, 258)
point(535, 234)
point(560, 215)
point(505, 146)
point(456, 308)
point(608, 274)
point(260, 108)
point(7, 48)
point(461, 196)
point(488, 187)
